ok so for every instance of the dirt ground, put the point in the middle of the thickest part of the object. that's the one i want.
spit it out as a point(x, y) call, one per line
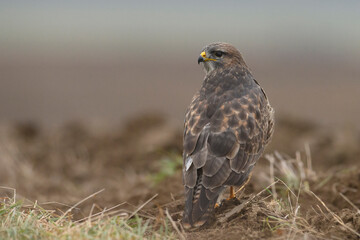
point(317, 196)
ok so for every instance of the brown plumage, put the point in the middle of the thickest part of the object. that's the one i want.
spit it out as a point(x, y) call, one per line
point(227, 126)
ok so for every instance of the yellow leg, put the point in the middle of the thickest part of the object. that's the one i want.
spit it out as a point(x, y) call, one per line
point(232, 193)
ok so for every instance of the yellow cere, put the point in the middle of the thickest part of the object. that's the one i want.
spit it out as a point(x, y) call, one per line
point(203, 54)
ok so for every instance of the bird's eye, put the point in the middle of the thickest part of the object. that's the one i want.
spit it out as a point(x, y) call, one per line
point(218, 53)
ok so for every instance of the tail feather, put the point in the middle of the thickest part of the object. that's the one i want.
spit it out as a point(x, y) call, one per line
point(199, 204)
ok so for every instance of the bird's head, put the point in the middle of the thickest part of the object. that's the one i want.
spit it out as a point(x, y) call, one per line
point(219, 56)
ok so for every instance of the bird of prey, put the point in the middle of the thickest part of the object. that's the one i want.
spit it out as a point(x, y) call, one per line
point(227, 126)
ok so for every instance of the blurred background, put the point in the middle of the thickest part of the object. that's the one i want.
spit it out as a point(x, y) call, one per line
point(93, 93)
point(105, 61)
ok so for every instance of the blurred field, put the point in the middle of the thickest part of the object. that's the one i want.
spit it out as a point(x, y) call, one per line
point(53, 89)
point(59, 167)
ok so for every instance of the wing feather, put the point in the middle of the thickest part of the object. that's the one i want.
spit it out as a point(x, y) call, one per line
point(213, 164)
point(219, 177)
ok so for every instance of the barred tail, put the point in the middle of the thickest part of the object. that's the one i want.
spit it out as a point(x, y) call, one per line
point(199, 204)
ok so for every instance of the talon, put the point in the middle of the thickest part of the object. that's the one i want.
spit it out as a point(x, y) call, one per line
point(216, 205)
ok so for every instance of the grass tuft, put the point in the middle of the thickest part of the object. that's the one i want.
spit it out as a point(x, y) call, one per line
point(20, 222)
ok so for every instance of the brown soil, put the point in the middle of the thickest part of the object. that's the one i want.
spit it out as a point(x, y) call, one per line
point(67, 164)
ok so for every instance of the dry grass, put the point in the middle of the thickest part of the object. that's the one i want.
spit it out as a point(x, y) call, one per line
point(293, 181)
point(279, 204)
point(19, 221)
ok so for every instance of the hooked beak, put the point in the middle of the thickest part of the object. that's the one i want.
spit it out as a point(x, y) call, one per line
point(200, 59)
point(203, 58)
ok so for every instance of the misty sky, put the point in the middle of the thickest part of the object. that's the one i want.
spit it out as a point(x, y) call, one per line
point(100, 25)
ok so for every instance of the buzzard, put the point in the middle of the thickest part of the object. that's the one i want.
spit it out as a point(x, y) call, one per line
point(227, 127)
